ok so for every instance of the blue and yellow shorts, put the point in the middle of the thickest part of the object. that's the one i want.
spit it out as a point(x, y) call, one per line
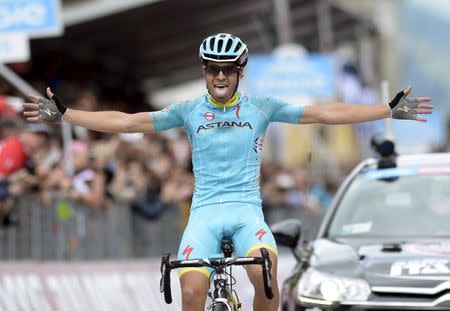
point(241, 222)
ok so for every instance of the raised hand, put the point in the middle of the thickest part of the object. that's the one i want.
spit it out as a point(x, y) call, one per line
point(410, 108)
point(43, 109)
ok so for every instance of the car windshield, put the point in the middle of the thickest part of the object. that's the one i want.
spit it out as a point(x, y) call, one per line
point(403, 207)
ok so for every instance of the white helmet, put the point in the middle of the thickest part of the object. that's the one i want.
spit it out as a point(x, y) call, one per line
point(224, 47)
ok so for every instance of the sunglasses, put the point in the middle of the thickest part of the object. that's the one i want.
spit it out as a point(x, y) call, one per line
point(226, 70)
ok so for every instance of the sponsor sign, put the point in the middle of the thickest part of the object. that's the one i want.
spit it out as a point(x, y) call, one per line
point(37, 18)
point(311, 75)
point(225, 124)
point(82, 286)
point(209, 116)
point(258, 145)
point(101, 285)
point(421, 267)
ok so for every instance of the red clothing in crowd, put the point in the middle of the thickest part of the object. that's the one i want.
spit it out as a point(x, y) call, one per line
point(12, 156)
point(6, 111)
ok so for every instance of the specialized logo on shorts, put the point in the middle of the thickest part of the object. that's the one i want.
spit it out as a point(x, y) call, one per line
point(209, 116)
point(238, 108)
point(258, 144)
point(260, 233)
point(224, 124)
point(187, 251)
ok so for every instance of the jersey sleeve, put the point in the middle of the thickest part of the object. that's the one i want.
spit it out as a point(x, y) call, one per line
point(278, 110)
point(170, 117)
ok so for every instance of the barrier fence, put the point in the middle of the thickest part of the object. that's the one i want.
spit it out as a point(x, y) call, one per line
point(65, 230)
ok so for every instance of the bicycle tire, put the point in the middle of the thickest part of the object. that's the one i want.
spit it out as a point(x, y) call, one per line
point(224, 294)
point(220, 307)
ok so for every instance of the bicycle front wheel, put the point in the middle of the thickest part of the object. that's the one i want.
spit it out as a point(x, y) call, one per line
point(220, 307)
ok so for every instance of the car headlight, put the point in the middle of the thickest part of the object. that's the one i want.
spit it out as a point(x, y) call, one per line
point(322, 288)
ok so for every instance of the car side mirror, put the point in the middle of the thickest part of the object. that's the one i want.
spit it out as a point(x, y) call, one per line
point(287, 232)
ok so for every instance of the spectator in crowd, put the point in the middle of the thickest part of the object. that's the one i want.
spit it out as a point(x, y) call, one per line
point(147, 202)
point(178, 145)
point(325, 191)
point(17, 172)
point(299, 194)
point(86, 186)
point(177, 191)
point(271, 188)
point(9, 128)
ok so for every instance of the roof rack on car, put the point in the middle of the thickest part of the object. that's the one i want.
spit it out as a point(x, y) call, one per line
point(385, 148)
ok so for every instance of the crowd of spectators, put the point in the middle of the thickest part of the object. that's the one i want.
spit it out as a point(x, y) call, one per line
point(148, 173)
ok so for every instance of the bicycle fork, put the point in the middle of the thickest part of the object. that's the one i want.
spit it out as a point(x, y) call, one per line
point(223, 296)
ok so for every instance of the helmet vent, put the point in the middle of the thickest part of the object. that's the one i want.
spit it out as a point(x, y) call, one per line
point(220, 43)
point(211, 44)
point(238, 46)
point(229, 43)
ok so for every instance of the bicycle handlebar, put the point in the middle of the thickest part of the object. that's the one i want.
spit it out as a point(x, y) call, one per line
point(164, 284)
point(267, 277)
point(216, 264)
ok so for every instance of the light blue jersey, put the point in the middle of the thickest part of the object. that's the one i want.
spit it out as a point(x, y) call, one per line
point(226, 143)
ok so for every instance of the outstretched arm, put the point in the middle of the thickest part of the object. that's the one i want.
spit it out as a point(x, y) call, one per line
point(399, 108)
point(111, 121)
point(52, 110)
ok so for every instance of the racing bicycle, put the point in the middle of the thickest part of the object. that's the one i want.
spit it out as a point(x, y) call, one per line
point(223, 296)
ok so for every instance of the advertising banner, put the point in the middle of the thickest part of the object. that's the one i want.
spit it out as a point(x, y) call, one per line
point(127, 285)
point(311, 75)
point(78, 286)
point(37, 18)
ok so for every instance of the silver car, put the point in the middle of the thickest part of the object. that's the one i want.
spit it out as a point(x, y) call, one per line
point(383, 245)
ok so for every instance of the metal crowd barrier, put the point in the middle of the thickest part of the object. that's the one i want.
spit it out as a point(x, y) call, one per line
point(66, 230)
point(69, 231)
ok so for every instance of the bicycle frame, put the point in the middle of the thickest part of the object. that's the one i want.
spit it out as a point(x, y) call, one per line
point(223, 293)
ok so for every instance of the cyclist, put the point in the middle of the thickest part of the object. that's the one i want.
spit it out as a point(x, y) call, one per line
point(225, 129)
